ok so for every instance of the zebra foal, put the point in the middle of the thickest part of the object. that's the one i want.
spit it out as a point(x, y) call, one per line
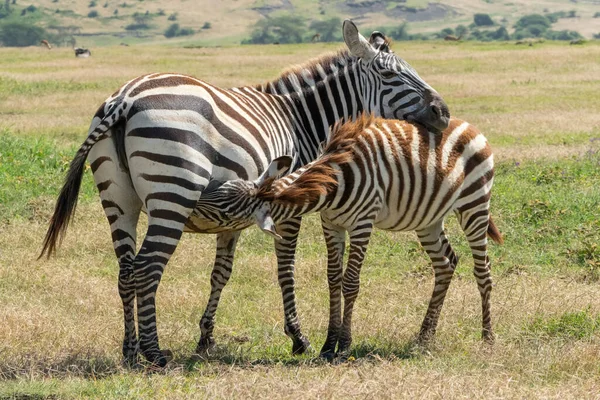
point(389, 174)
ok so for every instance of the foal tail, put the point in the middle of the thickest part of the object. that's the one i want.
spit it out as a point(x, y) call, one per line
point(493, 232)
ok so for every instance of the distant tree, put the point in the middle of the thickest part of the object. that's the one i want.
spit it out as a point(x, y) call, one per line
point(501, 34)
point(172, 17)
point(207, 25)
point(597, 35)
point(116, 12)
point(161, 12)
point(283, 29)
point(446, 31)
point(461, 30)
point(175, 30)
point(532, 19)
point(400, 32)
point(482, 20)
point(597, 15)
point(105, 5)
point(93, 14)
point(18, 34)
point(93, 3)
point(562, 35)
point(329, 29)
point(572, 14)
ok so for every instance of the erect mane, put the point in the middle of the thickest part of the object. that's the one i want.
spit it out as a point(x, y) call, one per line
point(320, 177)
point(325, 61)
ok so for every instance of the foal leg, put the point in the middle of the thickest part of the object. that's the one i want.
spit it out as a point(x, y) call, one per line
point(443, 260)
point(335, 240)
point(359, 240)
point(226, 243)
point(475, 223)
point(285, 249)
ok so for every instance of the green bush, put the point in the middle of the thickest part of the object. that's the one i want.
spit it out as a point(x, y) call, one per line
point(283, 29)
point(329, 29)
point(531, 20)
point(93, 14)
point(175, 30)
point(482, 20)
point(18, 34)
point(207, 25)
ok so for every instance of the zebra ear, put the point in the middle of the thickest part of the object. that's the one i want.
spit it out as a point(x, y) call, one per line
point(265, 221)
point(357, 44)
point(379, 41)
point(278, 167)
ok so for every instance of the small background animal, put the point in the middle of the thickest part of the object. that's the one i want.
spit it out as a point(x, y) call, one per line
point(82, 53)
point(46, 43)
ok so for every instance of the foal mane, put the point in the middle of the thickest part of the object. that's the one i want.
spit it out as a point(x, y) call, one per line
point(320, 176)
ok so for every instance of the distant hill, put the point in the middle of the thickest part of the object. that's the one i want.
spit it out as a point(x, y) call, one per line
point(224, 22)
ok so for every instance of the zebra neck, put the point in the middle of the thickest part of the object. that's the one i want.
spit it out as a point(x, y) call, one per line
point(316, 96)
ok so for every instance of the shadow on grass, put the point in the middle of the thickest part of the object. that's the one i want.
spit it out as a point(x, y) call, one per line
point(73, 365)
point(363, 351)
point(95, 366)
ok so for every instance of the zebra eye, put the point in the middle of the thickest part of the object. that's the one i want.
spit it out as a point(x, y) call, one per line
point(388, 74)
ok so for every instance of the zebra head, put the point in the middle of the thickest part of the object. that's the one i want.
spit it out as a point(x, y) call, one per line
point(236, 204)
point(391, 88)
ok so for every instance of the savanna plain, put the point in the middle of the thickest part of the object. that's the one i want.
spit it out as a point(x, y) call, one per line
point(61, 319)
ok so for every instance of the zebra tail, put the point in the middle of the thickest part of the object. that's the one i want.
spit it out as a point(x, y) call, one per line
point(494, 233)
point(67, 199)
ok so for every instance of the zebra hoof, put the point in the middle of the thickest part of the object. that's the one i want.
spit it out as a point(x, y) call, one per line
point(205, 345)
point(300, 346)
point(488, 336)
point(159, 359)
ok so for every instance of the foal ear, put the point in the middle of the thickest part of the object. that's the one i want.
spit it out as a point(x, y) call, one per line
point(357, 44)
point(278, 167)
point(265, 221)
point(379, 41)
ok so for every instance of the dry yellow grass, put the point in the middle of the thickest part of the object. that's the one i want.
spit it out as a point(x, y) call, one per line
point(61, 318)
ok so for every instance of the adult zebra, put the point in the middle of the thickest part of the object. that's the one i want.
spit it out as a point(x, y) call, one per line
point(172, 134)
point(380, 173)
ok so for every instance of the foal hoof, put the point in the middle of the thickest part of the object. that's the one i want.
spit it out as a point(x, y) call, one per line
point(300, 346)
point(488, 337)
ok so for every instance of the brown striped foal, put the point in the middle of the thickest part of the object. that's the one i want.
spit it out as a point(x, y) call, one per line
point(389, 174)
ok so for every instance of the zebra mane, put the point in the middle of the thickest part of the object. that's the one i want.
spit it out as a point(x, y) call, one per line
point(294, 73)
point(320, 177)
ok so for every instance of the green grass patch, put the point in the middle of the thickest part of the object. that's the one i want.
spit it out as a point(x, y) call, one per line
point(570, 325)
point(9, 87)
point(33, 169)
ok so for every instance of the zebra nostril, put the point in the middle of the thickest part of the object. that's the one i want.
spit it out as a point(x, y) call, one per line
point(436, 111)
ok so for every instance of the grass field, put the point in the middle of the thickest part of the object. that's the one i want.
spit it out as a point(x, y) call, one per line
point(61, 319)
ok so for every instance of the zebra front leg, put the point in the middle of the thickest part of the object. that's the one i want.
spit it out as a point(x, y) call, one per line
point(226, 243)
point(285, 249)
point(359, 241)
point(443, 261)
point(335, 241)
point(475, 225)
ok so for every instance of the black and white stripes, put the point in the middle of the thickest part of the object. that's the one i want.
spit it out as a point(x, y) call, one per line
point(155, 145)
point(387, 174)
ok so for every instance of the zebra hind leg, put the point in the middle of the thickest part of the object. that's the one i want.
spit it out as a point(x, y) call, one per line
point(226, 243)
point(475, 225)
point(162, 237)
point(122, 207)
point(444, 261)
point(285, 250)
